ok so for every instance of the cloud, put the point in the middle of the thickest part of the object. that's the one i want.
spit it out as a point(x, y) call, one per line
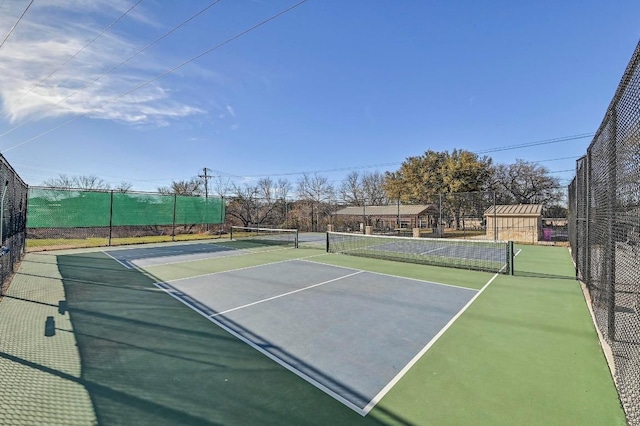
point(93, 82)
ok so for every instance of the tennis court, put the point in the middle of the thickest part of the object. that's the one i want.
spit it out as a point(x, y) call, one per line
point(238, 332)
point(348, 332)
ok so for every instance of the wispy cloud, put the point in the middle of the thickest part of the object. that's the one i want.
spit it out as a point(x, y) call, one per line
point(49, 35)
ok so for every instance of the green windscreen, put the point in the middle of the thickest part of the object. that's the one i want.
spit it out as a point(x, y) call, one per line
point(59, 208)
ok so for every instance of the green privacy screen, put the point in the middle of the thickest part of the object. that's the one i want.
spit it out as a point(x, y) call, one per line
point(60, 208)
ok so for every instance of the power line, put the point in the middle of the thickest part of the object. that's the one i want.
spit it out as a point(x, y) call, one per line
point(39, 83)
point(16, 24)
point(395, 163)
point(145, 48)
point(544, 142)
point(206, 52)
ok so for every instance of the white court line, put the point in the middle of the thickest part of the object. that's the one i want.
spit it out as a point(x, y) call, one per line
point(184, 298)
point(284, 294)
point(419, 355)
point(390, 275)
point(268, 354)
point(236, 252)
point(126, 264)
point(432, 250)
point(242, 269)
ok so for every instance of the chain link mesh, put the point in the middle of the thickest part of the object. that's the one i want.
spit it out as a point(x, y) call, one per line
point(13, 217)
point(71, 217)
point(604, 205)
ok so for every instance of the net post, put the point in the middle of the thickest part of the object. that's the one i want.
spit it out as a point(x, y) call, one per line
point(327, 242)
point(511, 257)
point(297, 239)
point(231, 233)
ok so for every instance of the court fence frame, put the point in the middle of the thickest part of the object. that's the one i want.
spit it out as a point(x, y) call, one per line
point(13, 219)
point(604, 233)
point(58, 217)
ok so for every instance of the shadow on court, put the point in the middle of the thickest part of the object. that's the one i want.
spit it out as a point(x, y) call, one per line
point(149, 359)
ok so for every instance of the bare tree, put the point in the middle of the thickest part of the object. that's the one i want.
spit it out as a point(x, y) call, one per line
point(123, 187)
point(62, 181)
point(373, 188)
point(282, 190)
point(87, 182)
point(183, 187)
point(221, 186)
point(318, 192)
point(243, 204)
point(351, 191)
point(367, 188)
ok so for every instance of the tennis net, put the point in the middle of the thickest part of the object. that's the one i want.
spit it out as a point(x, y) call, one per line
point(268, 236)
point(482, 255)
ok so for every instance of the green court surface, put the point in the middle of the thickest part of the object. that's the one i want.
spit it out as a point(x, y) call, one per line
point(525, 351)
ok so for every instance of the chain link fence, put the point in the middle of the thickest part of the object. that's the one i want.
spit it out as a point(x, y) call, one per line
point(604, 212)
point(61, 218)
point(13, 217)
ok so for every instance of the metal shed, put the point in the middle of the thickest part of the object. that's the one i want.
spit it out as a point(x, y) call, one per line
point(514, 222)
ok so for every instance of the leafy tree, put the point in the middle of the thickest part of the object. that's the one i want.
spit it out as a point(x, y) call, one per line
point(525, 182)
point(421, 179)
point(418, 179)
point(556, 211)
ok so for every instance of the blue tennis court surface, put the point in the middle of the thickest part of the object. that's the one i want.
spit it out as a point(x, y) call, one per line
point(153, 256)
point(349, 332)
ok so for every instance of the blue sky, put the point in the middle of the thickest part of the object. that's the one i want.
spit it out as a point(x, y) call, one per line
point(328, 87)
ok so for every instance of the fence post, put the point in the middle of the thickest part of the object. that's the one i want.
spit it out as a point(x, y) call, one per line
point(223, 206)
point(173, 226)
point(586, 192)
point(611, 241)
point(110, 218)
point(440, 226)
point(364, 217)
point(495, 218)
point(23, 220)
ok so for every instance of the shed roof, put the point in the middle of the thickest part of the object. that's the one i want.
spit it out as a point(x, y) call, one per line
point(390, 210)
point(515, 210)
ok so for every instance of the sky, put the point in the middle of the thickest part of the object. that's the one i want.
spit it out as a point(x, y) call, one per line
point(154, 91)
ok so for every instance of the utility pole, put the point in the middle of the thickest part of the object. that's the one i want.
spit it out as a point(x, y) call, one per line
point(206, 178)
